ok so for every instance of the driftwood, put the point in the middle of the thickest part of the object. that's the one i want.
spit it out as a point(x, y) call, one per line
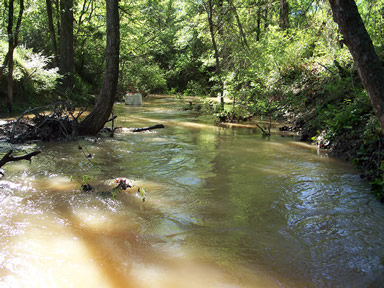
point(9, 158)
point(112, 119)
point(264, 131)
point(157, 126)
point(57, 125)
point(60, 123)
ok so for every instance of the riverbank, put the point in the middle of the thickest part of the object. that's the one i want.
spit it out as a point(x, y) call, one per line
point(348, 129)
point(342, 123)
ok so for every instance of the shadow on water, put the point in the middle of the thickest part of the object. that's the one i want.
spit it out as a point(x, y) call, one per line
point(115, 249)
point(117, 274)
point(225, 208)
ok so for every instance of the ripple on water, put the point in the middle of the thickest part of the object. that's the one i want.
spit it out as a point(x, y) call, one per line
point(236, 209)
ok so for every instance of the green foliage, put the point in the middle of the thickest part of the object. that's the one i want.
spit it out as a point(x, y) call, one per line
point(145, 77)
point(34, 80)
point(344, 117)
point(83, 182)
point(141, 194)
point(83, 92)
point(86, 178)
point(378, 182)
point(194, 89)
point(378, 187)
point(167, 45)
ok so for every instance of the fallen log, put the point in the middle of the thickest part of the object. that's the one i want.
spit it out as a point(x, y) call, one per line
point(9, 158)
point(157, 126)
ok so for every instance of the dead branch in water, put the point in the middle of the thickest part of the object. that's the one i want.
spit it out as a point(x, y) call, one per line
point(9, 158)
point(264, 129)
point(60, 123)
point(29, 110)
point(157, 126)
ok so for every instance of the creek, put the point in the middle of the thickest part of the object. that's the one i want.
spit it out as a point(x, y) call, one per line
point(225, 207)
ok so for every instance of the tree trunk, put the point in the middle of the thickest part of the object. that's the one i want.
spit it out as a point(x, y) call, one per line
point(241, 31)
point(284, 13)
point(258, 24)
point(66, 43)
point(96, 120)
point(13, 40)
point(5, 64)
point(57, 6)
point(10, 77)
point(216, 50)
point(266, 13)
point(52, 32)
point(10, 55)
point(359, 43)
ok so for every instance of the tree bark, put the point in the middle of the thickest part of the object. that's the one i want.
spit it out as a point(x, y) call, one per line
point(66, 43)
point(241, 30)
point(284, 13)
point(52, 32)
point(10, 78)
point(371, 71)
point(266, 13)
point(9, 158)
point(10, 55)
point(216, 50)
point(157, 126)
point(58, 26)
point(13, 40)
point(95, 121)
point(5, 64)
point(258, 24)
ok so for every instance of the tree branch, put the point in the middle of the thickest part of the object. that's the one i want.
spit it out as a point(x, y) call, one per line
point(157, 126)
point(9, 158)
point(29, 110)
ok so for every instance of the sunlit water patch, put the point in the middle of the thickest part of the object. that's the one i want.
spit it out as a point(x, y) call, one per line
point(225, 207)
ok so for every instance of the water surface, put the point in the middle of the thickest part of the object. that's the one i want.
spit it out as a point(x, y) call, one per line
point(225, 208)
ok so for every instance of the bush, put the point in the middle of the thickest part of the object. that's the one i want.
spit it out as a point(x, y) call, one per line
point(145, 77)
point(34, 80)
point(194, 89)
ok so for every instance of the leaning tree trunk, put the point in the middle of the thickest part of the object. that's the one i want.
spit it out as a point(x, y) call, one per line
point(96, 120)
point(359, 43)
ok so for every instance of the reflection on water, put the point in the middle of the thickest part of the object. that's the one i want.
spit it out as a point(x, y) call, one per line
point(225, 208)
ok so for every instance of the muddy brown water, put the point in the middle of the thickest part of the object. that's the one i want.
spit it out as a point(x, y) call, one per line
point(225, 208)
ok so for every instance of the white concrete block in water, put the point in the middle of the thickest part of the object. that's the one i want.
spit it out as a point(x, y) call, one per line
point(133, 99)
